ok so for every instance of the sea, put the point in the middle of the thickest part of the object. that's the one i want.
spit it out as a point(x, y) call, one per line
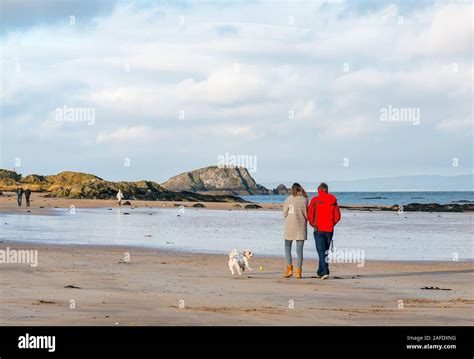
point(380, 198)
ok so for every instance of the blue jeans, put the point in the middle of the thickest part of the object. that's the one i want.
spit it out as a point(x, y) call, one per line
point(299, 252)
point(323, 241)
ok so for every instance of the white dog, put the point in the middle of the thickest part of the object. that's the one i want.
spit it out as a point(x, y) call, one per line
point(239, 261)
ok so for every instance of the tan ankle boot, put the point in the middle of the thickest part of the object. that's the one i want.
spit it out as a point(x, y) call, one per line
point(289, 271)
point(298, 273)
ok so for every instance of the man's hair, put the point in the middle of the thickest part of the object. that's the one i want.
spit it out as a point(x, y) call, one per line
point(324, 187)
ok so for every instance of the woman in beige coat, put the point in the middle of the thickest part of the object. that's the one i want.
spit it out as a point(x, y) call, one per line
point(294, 210)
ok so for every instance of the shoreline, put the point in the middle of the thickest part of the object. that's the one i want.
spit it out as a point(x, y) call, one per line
point(23, 244)
point(159, 287)
point(43, 205)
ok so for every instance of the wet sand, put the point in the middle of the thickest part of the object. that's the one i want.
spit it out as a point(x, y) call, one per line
point(43, 205)
point(168, 288)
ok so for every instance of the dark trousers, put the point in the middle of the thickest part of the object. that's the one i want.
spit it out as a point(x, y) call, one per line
point(19, 198)
point(27, 201)
point(323, 242)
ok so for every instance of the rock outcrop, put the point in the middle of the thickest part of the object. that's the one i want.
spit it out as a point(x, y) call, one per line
point(34, 179)
point(281, 189)
point(216, 180)
point(436, 207)
point(414, 207)
point(9, 177)
point(252, 206)
point(86, 186)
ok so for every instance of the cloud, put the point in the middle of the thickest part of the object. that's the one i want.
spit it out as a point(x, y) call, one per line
point(307, 109)
point(236, 71)
point(458, 40)
point(135, 134)
point(225, 86)
point(227, 30)
point(31, 13)
point(458, 125)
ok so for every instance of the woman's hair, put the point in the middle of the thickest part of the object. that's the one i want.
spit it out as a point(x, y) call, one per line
point(297, 190)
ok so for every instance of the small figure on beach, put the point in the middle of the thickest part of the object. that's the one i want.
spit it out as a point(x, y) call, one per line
point(19, 194)
point(119, 197)
point(294, 211)
point(239, 261)
point(323, 215)
point(27, 196)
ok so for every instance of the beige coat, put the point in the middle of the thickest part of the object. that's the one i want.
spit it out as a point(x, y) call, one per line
point(294, 210)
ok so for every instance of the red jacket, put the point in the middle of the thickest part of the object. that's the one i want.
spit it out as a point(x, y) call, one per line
point(323, 212)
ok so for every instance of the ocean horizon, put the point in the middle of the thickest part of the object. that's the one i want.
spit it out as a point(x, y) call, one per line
point(380, 198)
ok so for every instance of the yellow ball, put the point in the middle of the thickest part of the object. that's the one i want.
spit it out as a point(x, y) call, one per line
point(261, 268)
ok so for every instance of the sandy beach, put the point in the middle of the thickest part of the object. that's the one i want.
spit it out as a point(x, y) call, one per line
point(97, 285)
point(42, 205)
point(168, 288)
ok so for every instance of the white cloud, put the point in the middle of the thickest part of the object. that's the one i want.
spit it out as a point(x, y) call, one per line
point(225, 86)
point(458, 125)
point(242, 87)
point(451, 31)
point(135, 134)
point(234, 132)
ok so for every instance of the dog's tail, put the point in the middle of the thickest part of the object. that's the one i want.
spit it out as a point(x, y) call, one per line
point(233, 253)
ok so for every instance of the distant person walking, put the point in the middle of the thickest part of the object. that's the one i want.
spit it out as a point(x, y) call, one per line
point(27, 196)
point(294, 211)
point(119, 197)
point(323, 215)
point(19, 195)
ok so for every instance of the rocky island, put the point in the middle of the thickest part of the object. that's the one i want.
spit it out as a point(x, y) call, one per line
point(281, 189)
point(216, 180)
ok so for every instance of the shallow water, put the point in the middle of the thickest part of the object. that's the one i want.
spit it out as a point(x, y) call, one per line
point(381, 235)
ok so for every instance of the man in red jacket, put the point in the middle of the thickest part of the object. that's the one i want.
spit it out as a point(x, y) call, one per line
point(323, 215)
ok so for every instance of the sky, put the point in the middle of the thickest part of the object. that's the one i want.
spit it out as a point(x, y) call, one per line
point(339, 90)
